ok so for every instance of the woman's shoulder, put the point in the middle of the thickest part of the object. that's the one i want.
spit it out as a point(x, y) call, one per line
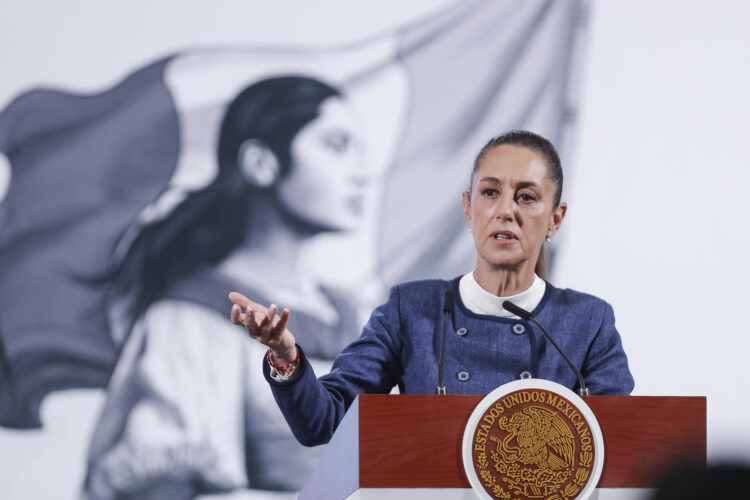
point(575, 301)
point(423, 289)
point(419, 294)
point(570, 294)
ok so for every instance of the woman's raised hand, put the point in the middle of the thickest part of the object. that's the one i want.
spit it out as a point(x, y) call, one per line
point(265, 325)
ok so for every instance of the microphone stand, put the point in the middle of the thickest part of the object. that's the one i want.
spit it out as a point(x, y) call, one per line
point(523, 313)
point(447, 309)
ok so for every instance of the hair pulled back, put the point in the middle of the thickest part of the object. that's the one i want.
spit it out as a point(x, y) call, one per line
point(545, 149)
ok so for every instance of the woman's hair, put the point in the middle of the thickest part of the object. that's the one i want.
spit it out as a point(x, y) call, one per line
point(272, 111)
point(547, 151)
point(210, 223)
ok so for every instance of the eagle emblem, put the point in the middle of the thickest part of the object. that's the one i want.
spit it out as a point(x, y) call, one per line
point(533, 444)
point(542, 439)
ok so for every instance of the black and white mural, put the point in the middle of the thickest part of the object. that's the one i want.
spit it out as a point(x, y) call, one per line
point(312, 154)
point(308, 175)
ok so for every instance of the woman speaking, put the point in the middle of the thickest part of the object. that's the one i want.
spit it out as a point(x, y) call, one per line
point(512, 208)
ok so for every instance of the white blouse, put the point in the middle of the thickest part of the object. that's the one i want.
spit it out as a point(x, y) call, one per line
point(480, 301)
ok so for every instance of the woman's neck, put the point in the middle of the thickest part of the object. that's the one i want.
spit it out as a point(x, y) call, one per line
point(270, 255)
point(269, 261)
point(504, 282)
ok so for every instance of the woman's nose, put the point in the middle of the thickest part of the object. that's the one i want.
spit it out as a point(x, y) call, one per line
point(361, 173)
point(504, 208)
point(360, 179)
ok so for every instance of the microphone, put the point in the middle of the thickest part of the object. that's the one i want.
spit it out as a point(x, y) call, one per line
point(524, 314)
point(447, 310)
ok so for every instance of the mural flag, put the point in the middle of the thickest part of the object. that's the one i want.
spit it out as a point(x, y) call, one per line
point(88, 172)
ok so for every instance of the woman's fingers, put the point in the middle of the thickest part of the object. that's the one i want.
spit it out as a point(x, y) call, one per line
point(242, 301)
point(265, 325)
point(266, 317)
point(280, 325)
point(270, 315)
point(262, 324)
point(248, 321)
point(236, 315)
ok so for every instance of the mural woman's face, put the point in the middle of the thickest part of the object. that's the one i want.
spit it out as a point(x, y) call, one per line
point(326, 179)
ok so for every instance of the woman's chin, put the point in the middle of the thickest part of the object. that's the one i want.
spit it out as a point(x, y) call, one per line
point(334, 226)
point(505, 262)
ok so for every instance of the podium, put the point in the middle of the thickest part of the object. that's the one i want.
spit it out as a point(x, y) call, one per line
point(413, 442)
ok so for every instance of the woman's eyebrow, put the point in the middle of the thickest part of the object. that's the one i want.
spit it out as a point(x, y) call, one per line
point(520, 185)
point(490, 179)
point(525, 184)
point(336, 130)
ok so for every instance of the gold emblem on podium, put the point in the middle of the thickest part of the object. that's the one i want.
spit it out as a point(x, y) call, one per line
point(532, 442)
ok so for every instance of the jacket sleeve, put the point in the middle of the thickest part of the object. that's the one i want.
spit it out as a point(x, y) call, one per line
point(313, 407)
point(605, 368)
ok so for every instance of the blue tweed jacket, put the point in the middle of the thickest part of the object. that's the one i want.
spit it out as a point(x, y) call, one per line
point(400, 345)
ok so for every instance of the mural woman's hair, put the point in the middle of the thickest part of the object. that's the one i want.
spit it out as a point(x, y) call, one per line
point(209, 224)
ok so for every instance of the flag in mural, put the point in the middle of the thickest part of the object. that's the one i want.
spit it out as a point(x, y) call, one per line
point(310, 177)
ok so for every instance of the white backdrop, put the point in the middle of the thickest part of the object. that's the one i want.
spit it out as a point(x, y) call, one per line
point(658, 217)
point(656, 223)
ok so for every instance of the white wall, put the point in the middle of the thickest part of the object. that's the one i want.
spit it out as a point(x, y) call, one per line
point(658, 222)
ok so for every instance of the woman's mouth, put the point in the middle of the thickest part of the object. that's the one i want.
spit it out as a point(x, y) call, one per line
point(504, 235)
point(355, 204)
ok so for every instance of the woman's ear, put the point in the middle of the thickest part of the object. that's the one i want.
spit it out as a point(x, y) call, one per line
point(257, 163)
point(466, 201)
point(556, 218)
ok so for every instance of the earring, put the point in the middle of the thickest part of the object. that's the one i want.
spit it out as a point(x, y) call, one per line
point(547, 239)
point(467, 227)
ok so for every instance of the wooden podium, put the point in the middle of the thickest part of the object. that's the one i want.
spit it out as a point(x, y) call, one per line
point(414, 441)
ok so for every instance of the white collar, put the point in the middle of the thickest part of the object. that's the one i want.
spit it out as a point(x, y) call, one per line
point(480, 301)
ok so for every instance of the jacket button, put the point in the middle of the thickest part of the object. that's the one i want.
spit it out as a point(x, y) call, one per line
point(519, 329)
point(462, 331)
point(525, 375)
point(463, 376)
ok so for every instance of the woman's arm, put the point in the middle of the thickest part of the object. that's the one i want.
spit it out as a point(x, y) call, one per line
point(313, 406)
point(266, 326)
point(606, 368)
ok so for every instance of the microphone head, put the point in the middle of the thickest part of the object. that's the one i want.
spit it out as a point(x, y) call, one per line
point(518, 311)
point(448, 302)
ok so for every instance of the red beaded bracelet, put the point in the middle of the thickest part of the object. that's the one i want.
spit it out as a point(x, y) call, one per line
point(283, 370)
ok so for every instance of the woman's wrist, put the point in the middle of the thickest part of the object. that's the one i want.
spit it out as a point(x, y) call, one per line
point(282, 370)
point(284, 356)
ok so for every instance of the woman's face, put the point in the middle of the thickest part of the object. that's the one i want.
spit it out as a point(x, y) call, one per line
point(326, 179)
point(511, 208)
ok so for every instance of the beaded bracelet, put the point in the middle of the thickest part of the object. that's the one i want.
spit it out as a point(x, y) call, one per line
point(284, 371)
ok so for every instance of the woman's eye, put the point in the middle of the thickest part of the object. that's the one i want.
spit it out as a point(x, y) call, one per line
point(527, 197)
point(490, 192)
point(338, 143)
